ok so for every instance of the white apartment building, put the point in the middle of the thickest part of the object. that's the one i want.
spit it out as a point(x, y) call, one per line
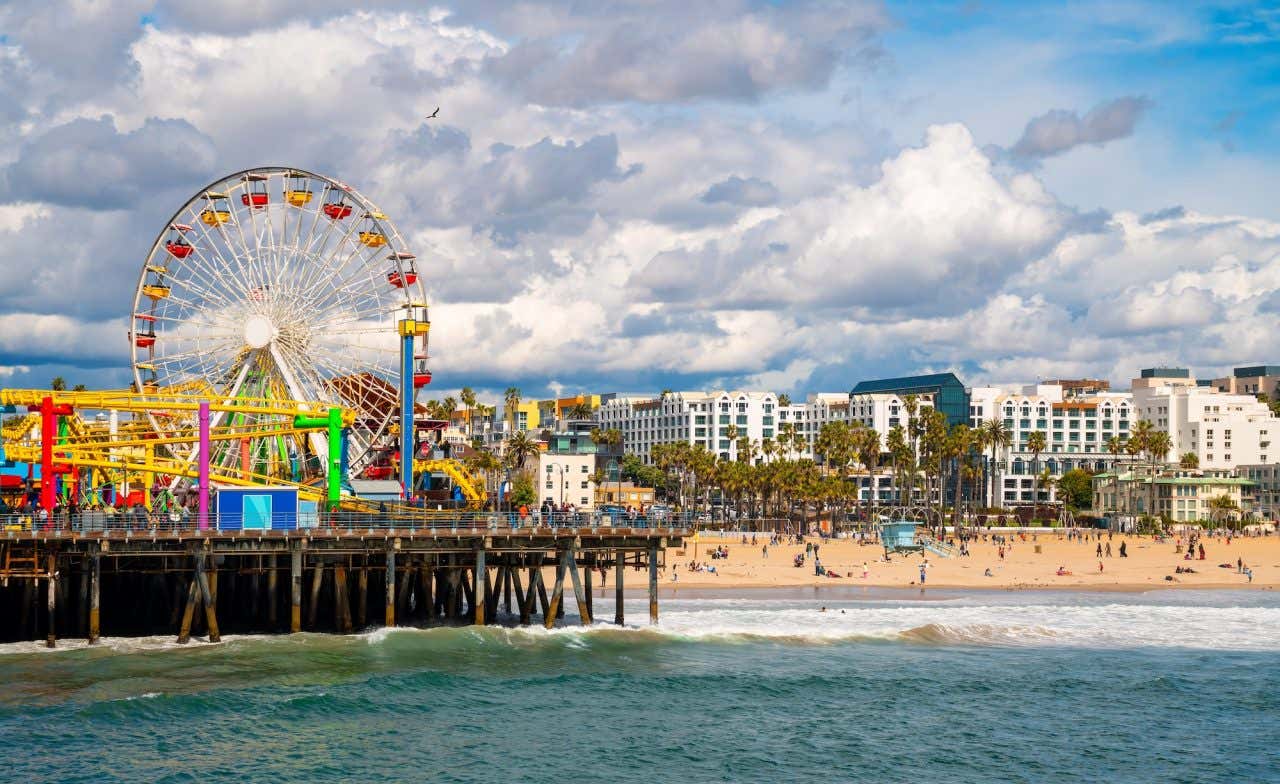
point(1076, 433)
point(714, 420)
point(1222, 429)
point(566, 479)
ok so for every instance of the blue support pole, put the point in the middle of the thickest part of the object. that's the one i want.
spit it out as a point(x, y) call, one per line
point(406, 414)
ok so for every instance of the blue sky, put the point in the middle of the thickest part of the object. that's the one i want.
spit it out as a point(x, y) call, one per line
point(640, 195)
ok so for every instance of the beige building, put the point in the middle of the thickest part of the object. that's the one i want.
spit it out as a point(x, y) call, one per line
point(625, 494)
point(1179, 495)
point(1254, 380)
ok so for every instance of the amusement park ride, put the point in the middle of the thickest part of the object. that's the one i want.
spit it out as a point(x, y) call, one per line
point(279, 335)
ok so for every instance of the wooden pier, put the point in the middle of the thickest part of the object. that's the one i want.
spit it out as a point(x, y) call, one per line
point(205, 584)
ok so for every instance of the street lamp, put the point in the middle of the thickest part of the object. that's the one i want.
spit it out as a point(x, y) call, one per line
point(559, 468)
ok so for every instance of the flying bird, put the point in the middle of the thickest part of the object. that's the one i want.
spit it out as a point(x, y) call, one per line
point(434, 114)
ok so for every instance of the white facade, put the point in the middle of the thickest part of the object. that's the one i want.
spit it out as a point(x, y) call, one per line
point(1076, 431)
point(1223, 430)
point(566, 479)
point(714, 420)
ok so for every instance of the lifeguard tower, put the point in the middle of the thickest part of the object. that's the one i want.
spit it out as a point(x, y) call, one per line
point(900, 537)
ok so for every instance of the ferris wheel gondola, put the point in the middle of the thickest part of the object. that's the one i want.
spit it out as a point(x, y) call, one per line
point(271, 294)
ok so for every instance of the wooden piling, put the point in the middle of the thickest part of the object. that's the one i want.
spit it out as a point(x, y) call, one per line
point(571, 564)
point(207, 594)
point(273, 600)
point(619, 564)
point(543, 601)
point(588, 570)
point(391, 588)
point(82, 602)
point(341, 603)
point(426, 577)
point(295, 588)
point(51, 639)
point(317, 581)
point(406, 588)
point(95, 589)
point(184, 631)
point(557, 592)
point(362, 596)
point(482, 581)
point(527, 598)
point(653, 582)
point(506, 588)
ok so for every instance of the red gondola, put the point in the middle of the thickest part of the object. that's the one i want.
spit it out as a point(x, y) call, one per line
point(410, 276)
point(335, 204)
point(177, 244)
point(147, 337)
point(421, 375)
point(255, 194)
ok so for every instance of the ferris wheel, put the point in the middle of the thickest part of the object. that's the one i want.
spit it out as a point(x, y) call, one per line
point(277, 283)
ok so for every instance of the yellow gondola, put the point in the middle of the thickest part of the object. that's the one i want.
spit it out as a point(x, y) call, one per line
point(297, 192)
point(370, 236)
point(155, 291)
point(216, 213)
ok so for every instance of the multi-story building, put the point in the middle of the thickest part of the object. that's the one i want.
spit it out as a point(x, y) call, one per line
point(525, 416)
point(1221, 429)
point(555, 411)
point(1182, 495)
point(713, 420)
point(1267, 491)
point(1254, 380)
point(1076, 431)
point(944, 391)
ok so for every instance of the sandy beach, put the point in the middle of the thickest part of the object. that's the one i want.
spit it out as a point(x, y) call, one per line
point(1146, 567)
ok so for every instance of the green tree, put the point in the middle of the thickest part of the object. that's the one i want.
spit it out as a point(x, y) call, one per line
point(996, 436)
point(519, 448)
point(79, 388)
point(1036, 443)
point(1221, 507)
point(512, 398)
point(1189, 460)
point(1075, 488)
point(784, 399)
point(58, 384)
point(581, 410)
point(523, 491)
point(959, 442)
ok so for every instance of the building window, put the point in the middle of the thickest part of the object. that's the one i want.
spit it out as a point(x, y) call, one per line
point(742, 421)
point(724, 419)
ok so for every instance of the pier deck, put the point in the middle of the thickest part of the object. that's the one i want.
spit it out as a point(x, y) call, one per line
point(125, 581)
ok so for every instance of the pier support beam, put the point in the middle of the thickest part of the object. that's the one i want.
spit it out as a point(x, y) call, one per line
point(481, 602)
point(317, 581)
point(295, 588)
point(273, 598)
point(426, 576)
point(207, 595)
point(619, 562)
point(571, 563)
point(184, 631)
point(391, 588)
point(506, 588)
point(341, 600)
point(653, 582)
point(588, 570)
point(95, 589)
point(557, 591)
point(362, 596)
point(52, 639)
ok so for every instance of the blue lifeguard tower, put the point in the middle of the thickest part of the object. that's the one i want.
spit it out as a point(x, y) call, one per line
point(900, 537)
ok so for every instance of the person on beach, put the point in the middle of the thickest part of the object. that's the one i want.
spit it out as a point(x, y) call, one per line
point(1099, 549)
point(864, 570)
point(1108, 549)
point(765, 551)
point(1202, 551)
point(922, 574)
point(1124, 553)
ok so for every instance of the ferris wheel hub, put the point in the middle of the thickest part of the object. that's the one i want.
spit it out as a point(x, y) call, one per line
point(258, 331)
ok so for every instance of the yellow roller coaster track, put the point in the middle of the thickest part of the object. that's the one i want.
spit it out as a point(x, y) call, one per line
point(471, 489)
point(163, 401)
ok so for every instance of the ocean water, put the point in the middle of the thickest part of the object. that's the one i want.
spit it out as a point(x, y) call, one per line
point(881, 686)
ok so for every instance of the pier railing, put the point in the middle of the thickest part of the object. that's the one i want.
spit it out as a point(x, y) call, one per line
point(143, 523)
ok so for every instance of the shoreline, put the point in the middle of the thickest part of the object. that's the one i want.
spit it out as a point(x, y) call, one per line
point(711, 591)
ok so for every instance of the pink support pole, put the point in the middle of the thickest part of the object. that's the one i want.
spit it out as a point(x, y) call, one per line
point(202, 513)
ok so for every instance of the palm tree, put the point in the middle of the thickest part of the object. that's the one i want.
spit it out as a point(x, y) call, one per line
point(581, 410)
point(487, 464)
point(786, 437)
point(1158, 445)
point(519, 448)
point(959, 441)
point(784, 399)
point(468, 397)
point(447, 407)
point(998, 437)
point(1189, 460)
point(512, 398)
point(58, 384)
point(867, 446)
point(79, 388)
point(1221, 506)
point(1115, 446)
point(1036, 443)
